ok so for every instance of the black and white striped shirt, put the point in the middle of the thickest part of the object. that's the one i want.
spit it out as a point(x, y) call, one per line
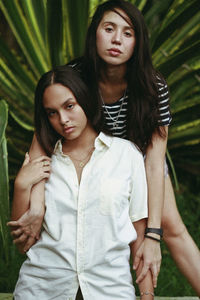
point(111, 111)
point(165, 115)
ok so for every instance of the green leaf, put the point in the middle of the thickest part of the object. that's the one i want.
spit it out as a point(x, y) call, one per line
point(176, 60)
point(26, 39)
point(4, 191)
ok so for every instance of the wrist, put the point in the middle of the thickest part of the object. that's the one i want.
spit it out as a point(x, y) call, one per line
point(37, 210)
point(154, 231)
point(154, 234)
point(22, 185)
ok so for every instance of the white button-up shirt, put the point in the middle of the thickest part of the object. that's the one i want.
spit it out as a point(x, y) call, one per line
point(88, 226)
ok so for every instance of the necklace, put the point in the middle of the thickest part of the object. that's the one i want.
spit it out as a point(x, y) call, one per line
point(83, 161)
point(114, 119)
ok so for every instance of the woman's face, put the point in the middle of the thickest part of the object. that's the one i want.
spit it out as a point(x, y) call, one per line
point(115, 38)
point(64, 113)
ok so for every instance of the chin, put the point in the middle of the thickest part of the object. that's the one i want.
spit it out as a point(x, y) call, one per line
point(114, 61)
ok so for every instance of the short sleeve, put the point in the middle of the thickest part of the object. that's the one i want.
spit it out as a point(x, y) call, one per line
point(165, 117)
point(138, 208)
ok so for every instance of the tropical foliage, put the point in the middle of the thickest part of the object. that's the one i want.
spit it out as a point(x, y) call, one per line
point(46, 33)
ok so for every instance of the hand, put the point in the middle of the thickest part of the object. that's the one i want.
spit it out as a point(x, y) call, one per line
point(33, 171)
point(26, 230)
point(150, 253)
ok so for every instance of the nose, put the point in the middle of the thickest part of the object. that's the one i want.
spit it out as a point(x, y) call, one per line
point(116, 39)
point(64, 118)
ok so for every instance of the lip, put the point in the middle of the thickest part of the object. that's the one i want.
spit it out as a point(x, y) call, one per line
point(68, 129)
point(114, 51)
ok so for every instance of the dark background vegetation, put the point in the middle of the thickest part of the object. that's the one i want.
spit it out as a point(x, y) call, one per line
point(173, 27)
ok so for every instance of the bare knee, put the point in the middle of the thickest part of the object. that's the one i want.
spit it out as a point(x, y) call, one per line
point(173, 228)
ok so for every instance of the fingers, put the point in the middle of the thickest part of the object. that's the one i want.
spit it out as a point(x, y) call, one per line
point(42, 159)
point(29, 243)
point(22, 238)
point(154, 271)
point(26, 160)
point(143, 273)
point(16, 233)
point(13, 223)
point(136, 261)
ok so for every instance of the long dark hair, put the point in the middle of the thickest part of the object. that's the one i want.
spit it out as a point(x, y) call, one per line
point(141, 76)
point(71, 79)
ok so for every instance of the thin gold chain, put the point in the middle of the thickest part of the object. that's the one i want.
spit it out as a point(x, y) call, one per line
point(81, 161)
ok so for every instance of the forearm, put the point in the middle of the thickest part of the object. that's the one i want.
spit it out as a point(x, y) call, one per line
point(37, 193)
point(27, 213)
point(36, 150)
point(155, 182)
point(146, 284)
point(20, 201)
point(37, 203)
point(28, 196)
point(154, 165)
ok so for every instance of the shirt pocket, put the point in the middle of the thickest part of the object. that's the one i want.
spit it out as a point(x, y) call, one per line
point(114, 197)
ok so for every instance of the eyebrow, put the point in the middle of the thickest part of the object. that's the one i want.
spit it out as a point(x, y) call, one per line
point(114, 24)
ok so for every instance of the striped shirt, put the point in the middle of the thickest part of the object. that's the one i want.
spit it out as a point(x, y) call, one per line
point(116, 116)
point(116, 113)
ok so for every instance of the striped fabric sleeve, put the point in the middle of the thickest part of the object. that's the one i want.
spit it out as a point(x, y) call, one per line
point(165, 117)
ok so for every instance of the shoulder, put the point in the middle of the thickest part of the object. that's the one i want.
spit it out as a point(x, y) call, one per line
point(126, 147)
point(162, 86)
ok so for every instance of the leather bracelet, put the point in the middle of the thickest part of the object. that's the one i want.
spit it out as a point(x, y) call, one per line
point(146, 293)
point(152, 238)
point(158, 231)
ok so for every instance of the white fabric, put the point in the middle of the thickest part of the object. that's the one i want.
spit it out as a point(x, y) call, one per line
point(88, 227)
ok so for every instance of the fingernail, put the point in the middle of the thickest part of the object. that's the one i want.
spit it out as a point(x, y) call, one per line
point(134, 267)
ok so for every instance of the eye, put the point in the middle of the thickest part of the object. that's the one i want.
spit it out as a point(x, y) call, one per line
point(69, 106)
point(109, 29)
point(51, 113)
point(128, 34)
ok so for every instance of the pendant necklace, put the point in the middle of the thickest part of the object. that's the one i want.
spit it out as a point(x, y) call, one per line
point(82, 162)
point(114, 119)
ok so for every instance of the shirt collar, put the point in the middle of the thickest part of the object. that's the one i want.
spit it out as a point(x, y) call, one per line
point(58, 147)
point(101, 141)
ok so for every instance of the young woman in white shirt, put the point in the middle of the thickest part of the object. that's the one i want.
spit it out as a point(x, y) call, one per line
point(117, 67)
point(96, 200)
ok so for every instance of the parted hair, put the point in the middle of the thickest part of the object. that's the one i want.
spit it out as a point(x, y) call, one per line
point(141, 76)
point(70, 78)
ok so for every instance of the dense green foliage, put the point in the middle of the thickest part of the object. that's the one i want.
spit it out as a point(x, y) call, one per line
point(46, 33)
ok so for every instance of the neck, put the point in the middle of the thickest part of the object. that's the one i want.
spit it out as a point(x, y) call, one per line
point(112, 83)
point(113, 74)
point(83, 142)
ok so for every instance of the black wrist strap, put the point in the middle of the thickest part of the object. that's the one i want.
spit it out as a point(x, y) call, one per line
point(158, 231)
point(152, 238)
